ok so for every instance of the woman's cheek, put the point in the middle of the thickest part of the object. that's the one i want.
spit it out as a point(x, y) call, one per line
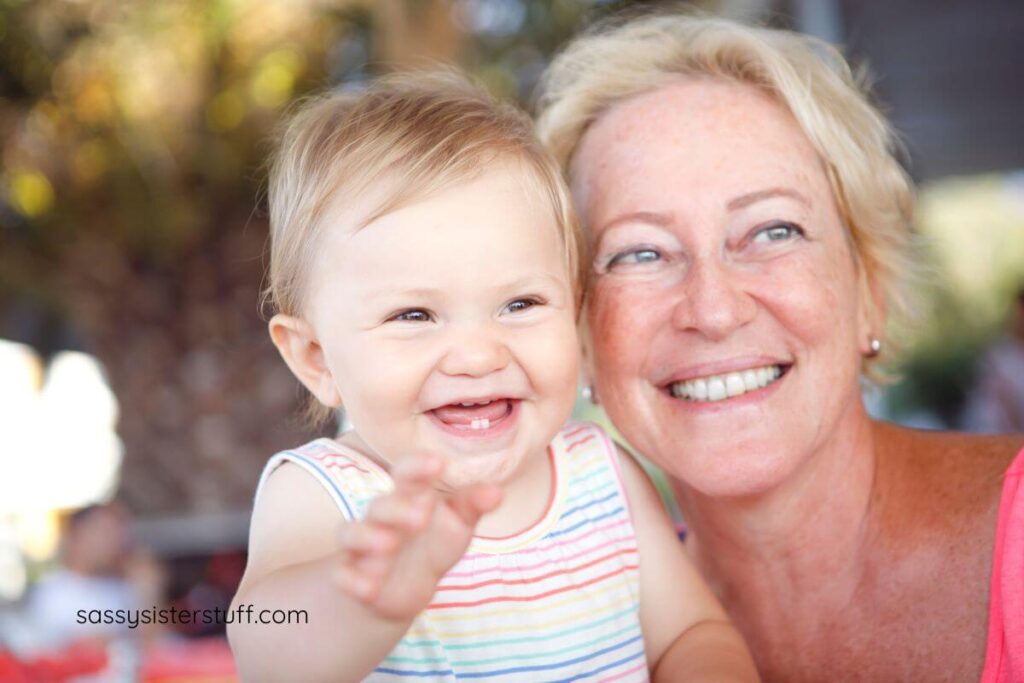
point(620, 316)
point(817, 296)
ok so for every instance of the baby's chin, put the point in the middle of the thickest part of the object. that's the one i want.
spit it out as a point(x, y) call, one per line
point(469, 470)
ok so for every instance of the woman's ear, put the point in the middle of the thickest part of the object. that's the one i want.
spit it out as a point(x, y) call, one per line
point(297, 343)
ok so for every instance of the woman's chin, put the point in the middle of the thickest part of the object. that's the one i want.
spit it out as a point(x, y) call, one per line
point(733, 473)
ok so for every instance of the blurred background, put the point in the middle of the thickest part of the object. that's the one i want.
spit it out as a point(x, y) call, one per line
point(139, 392)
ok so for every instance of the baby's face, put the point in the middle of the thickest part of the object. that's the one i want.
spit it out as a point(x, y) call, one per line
point(448, 326)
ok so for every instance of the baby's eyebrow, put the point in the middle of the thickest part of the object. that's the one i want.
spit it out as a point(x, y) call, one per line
point(386, 290)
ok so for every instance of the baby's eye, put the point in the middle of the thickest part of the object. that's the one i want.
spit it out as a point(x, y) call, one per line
point(520, 305)
point(638, 255)
point(777, 232)
point(413, 315)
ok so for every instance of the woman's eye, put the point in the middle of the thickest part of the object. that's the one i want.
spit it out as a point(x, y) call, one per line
point(777, 232)
point(633, 257)
point(414, 315)
point(520, 305)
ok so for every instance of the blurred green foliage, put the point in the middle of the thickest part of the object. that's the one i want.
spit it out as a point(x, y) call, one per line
point(142, 121)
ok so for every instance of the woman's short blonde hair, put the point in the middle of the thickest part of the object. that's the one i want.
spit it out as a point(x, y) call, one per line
point(621, 58)
point(399, 139)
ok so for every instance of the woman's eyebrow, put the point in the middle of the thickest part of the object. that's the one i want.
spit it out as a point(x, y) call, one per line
point(749, 198)
point(652, 217)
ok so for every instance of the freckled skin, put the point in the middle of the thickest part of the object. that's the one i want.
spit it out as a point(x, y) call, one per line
point(844, 549)
point(799, 304)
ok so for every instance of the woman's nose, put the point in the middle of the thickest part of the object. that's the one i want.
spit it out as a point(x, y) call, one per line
point(475, 351)
point(715, 301)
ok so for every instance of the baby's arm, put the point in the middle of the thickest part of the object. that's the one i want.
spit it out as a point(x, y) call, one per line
point(361, 587)
point(687, 634)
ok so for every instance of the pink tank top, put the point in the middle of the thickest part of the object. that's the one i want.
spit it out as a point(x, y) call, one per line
point(1004, 654)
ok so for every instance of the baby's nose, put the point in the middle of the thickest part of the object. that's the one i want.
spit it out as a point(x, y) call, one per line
point(475, 351)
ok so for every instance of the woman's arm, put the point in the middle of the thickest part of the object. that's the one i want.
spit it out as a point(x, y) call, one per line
point(687, 634)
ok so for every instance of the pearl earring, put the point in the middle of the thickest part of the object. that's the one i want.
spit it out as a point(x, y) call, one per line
point(590, 394)
point(874, 347)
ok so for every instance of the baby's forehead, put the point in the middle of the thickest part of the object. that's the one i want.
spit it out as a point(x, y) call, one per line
point(394, 227)
point(492, 217)
point(398, 196)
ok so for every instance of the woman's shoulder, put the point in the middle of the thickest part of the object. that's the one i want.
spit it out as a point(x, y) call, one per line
point(947, 455)
point(954, 478)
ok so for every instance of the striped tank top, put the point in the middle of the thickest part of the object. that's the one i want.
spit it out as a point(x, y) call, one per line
point(558, 601)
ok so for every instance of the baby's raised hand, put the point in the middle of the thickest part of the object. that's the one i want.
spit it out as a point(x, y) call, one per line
point(393, 559)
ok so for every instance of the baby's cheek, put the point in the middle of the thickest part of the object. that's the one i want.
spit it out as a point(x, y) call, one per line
point(556, 357)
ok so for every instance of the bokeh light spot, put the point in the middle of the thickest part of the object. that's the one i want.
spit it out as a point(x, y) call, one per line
point(274, 78)
point(31, 193)
point(225, 111)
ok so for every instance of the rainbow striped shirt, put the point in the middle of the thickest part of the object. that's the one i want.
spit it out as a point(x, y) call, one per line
point(556, 602)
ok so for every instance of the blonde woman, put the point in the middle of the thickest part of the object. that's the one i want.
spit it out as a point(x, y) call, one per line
point(747, 224)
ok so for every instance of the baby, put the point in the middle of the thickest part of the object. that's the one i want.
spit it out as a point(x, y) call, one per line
point(426, 269)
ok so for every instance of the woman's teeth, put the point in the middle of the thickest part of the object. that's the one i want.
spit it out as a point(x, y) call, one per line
point(729, 385)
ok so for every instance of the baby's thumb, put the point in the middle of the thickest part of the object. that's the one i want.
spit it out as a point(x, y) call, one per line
point(476, 501)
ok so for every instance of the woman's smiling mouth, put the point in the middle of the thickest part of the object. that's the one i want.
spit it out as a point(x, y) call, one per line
point(719, 387)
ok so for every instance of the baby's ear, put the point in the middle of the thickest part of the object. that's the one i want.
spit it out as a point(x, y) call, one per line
point(297, 343)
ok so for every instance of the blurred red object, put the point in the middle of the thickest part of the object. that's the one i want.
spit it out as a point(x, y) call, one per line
point(206, 660)
point(53, 667)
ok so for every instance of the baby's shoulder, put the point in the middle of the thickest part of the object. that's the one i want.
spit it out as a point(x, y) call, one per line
point(346, 475)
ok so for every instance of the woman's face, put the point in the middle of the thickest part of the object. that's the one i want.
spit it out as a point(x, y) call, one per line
point(725, 323)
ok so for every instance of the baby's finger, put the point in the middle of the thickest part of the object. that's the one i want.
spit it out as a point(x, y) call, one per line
point(474, 502)
point(357, 584)
point(418, 473)
point(402, 512)
point(360, 538)
point(375, 566)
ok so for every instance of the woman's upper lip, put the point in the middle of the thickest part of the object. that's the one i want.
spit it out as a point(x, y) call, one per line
point(721, 367)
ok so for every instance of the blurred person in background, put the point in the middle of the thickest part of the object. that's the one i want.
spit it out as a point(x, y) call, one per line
point(749, 230)
point(996, 401)
point(99, 573)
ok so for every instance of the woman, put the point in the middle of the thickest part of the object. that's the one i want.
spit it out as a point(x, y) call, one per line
point(748, 226)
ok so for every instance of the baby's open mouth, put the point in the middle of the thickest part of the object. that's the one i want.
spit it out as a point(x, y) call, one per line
point(474, 416)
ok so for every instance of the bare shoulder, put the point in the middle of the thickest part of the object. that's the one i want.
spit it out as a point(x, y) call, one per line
point(950, 477)
point(294, 520)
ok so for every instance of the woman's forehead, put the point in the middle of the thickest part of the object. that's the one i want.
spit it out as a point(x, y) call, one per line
point(692, 136)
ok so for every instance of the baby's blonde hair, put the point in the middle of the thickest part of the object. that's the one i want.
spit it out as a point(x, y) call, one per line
point(619, 59)
point(409, 134)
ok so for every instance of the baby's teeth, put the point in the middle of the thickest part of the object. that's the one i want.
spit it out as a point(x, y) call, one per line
point(480, 423)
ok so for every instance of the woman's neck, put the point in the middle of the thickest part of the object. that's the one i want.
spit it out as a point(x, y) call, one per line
point(800, 539)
